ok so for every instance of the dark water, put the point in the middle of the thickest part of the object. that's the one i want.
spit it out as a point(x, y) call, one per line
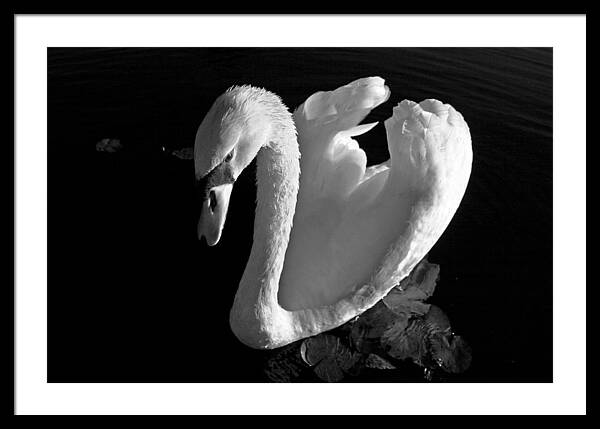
point(133, 295)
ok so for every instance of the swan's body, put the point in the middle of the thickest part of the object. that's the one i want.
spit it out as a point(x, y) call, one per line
point(331, 236)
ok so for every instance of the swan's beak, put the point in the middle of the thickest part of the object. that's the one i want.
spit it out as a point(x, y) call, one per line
point(214, 212)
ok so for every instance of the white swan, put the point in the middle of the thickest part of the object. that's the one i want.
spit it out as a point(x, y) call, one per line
point(331, 236)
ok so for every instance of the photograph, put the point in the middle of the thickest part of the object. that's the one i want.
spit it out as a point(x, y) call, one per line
point(300, 214)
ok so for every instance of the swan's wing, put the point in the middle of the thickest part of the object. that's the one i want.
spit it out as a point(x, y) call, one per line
point(332, 162)
point(358, 231)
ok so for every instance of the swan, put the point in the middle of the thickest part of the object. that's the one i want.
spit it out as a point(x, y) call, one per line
point(331, 236)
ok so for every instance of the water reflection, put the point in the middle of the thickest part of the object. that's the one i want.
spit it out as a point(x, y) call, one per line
point(400, 331)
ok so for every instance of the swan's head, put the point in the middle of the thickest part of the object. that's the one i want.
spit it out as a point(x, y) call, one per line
point(228, 139)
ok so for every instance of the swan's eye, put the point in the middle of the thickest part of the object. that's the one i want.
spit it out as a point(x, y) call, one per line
point(229, 156)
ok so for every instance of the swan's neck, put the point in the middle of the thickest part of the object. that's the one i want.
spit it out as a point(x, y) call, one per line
point(277, 173)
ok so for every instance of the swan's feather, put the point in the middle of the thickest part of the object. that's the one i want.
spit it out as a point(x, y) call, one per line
point(332, 162)
point(356, 226)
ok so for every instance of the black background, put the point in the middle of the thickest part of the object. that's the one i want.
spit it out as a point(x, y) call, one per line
point(133, 296)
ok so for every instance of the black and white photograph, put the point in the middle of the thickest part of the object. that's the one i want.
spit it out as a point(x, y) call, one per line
point(311, 215)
